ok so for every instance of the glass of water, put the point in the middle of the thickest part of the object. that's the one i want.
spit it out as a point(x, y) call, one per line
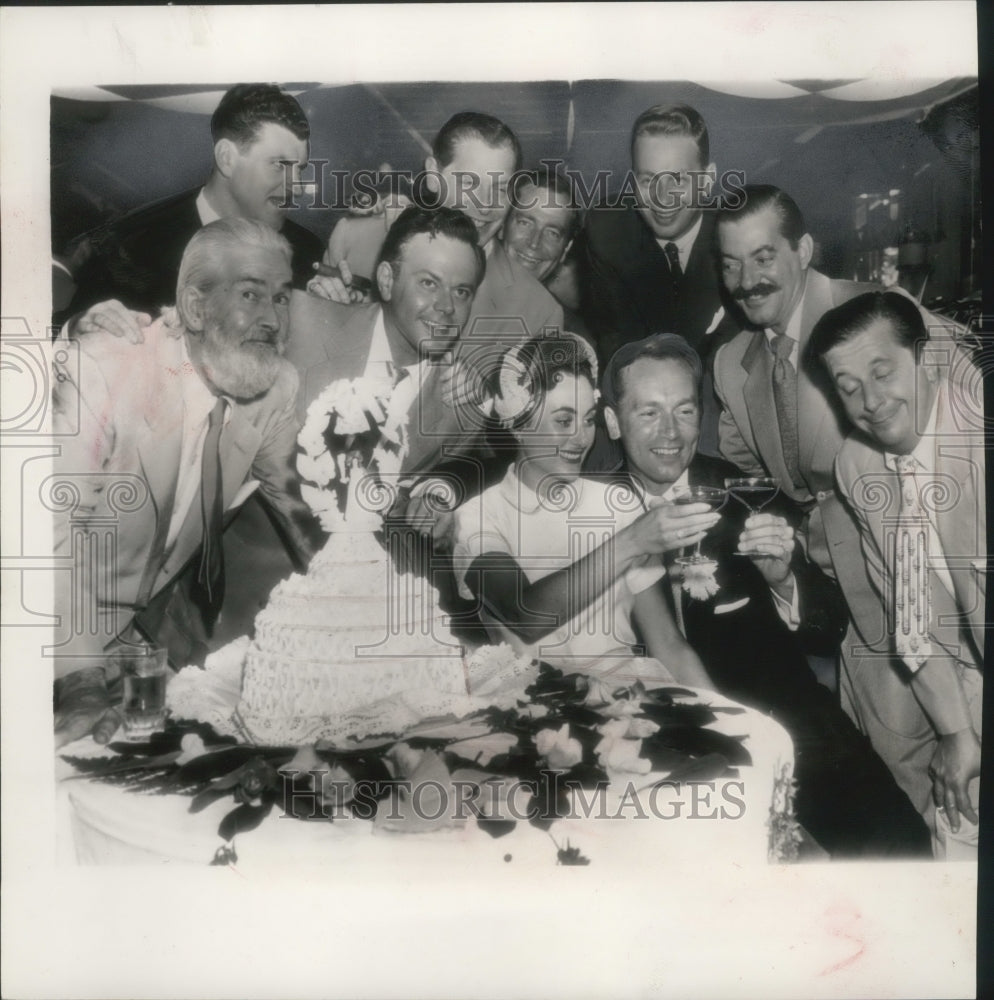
point(144, 672)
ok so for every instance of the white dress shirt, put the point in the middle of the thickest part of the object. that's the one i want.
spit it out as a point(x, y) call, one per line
point(204, 210)
point(684, 243)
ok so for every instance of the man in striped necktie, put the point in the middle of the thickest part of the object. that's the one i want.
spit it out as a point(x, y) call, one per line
point(913, 473)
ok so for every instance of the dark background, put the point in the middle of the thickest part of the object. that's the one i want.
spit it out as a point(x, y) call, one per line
point(109, 156)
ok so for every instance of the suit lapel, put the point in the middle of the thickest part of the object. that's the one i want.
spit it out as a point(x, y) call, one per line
point(961, 526)
point(817, 430)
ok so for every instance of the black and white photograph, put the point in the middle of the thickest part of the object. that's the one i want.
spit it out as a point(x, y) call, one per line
point(494, 500)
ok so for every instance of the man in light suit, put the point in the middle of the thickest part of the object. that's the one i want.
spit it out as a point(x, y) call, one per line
point(429, 271)
point(765, 255)
point(474, 159)
point(144, 415)
point(750, 642)
point(917, 452)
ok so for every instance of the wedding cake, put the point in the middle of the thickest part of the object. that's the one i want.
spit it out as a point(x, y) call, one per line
point(353, 676)
point(354, 647)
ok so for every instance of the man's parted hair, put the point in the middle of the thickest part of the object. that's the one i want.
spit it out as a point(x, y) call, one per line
point(849, 320)
point(658, 347)
point(201, 266)
point(473, 125)
point(674, 119)
point(434, 222)
point(757, 198)
point(552, 183)
point(248, 106)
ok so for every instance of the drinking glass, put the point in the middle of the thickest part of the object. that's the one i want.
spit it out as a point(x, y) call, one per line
point(755, 492)
point(715, 498)
point(144, 672)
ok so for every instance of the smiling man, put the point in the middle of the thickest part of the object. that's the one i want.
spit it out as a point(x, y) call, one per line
point(779, 421)
point(751, 645)
point(648, 266)
point(260, 140)
point(185, 424)
point(914, 474)
point(473, 161)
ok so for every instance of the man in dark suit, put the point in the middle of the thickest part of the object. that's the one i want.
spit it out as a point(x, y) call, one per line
point(649, 267)
point(771, 607)
point(260, 137)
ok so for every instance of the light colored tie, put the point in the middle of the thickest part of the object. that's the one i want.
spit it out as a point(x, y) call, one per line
point(785, 400)
point(911, 586)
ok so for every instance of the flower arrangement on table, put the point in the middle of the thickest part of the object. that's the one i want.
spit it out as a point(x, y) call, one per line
point(573, 728)
point(353, 442)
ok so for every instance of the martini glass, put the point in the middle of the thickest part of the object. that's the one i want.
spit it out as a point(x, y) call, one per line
point(755, 492)
point(715, 498)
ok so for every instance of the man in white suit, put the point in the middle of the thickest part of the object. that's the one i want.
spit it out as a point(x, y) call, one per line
point(913, 474)
point(208, 402)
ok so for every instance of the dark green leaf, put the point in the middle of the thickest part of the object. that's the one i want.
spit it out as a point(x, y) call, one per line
point(496, 827)
point(244, 818)
point(706, 768)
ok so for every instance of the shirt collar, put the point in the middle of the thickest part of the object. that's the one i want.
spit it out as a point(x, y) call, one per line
point(523, 498)
point(204, 210)
point(685, 243)
point(794, 323)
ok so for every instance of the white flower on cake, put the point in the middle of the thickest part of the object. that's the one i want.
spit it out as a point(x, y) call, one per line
point(352, 445)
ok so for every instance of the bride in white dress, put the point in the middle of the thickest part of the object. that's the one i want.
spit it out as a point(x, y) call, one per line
point(565, 568)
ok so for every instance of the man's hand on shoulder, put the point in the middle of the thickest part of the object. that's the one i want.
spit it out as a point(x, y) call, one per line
point(84, 707)
point(338, 284)
point(114, 318)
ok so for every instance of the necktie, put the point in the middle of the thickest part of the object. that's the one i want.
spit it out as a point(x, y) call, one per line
point(209, 585)
point(911, 590)
point(673, 259)
point(785, 400)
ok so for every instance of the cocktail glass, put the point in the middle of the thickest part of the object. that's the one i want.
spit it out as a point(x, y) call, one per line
point(715, 498)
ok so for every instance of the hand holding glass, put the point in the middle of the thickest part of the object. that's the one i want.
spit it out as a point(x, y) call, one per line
point(715, 498)
point(755, 492)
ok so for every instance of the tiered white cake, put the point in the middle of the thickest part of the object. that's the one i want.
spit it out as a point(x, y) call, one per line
point(355, 647)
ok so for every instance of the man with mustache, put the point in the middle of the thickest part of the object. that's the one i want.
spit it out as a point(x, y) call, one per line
point(188, 422)
point(778, 421)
